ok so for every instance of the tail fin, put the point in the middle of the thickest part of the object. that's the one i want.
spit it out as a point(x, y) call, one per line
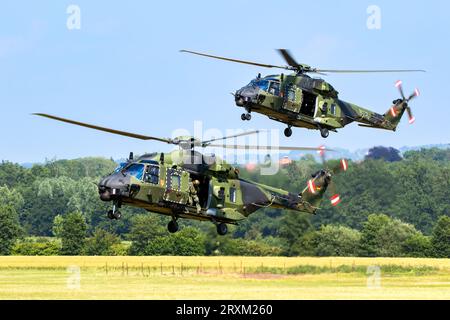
point(316, 188)
point(395, 113)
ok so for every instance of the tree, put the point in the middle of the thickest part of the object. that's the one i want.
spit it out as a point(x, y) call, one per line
point(329, 240)
point(188, 241)
point(57, 226)
point(144, 229)
point(293, 226)
point(440, 240)
point(384, 153)
point(73, 233)
point(417, 246)
point(382, 236)
point(101, 243)
point(11, 197)
point(9, 229)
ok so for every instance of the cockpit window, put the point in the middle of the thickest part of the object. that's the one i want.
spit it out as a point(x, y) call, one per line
point(152, 174)
point(136, 170)
point(269, 85)
point(120, 167)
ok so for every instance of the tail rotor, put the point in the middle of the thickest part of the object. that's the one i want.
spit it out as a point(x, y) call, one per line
point(322, 180)
point(402, 104)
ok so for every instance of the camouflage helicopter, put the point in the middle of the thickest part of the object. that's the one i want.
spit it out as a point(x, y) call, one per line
point(162, 183)
point(301, 101)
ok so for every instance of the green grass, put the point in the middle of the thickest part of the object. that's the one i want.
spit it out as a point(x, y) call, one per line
point(222, 278)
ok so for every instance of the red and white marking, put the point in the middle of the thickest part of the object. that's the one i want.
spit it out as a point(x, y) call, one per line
point(321, 150)
point(335, 199)
point(311, 186)
point(398, 83)
point(411, 120)
point(393, 112)
point(416, 92)
point(344, 164)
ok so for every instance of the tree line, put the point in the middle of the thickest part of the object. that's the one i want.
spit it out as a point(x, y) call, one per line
point(391, 206)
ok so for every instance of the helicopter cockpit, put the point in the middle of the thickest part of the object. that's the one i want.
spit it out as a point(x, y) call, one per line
point(269, 84)
point(249, 93)
point(134, 169)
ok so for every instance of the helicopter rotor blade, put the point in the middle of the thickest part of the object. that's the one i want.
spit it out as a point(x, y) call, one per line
point(287, 56)
point(399, 86)
point(411, 118)
point(236, 60)
point(91, 126)
point(255, 147)
point(366, 71)
point(207, 142)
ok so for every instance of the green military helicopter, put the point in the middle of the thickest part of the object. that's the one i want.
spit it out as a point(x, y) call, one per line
point(301, 101)
point(162, 183)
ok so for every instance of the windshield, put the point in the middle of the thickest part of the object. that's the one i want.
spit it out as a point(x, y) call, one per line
point(272, 86)
point(136, 170)
point(262, 84)
point(120, 167)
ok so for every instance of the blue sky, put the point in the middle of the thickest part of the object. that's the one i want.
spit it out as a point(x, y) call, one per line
point(122, 69)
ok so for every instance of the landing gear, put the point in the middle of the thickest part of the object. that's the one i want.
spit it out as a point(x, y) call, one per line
point(115, 214)
point(288, 131)
point(222, 229)
point(172, 226)
point(246, 116)
point(324, 132)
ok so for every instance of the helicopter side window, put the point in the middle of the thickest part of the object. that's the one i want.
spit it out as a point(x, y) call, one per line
point(152, 174)
point(274, 88)
point(333, 109)
point(136, 170)
point(175, 182)
point(233, 194)
point(291, 93)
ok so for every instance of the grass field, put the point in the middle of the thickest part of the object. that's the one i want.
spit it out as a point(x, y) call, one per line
point(223, 278)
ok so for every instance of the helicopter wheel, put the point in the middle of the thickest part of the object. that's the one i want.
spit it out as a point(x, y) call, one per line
point(172, 226)
point(248, 116)
point(114, 215)
point(288, 132)
point(222, 229)
point(110, 214)
point(117, 215)
point(324, 132)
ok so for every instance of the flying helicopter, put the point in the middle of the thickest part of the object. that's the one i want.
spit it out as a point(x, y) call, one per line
point(299, 100)
point(162, 182)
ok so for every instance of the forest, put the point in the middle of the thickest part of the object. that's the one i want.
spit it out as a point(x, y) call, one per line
point(392, 205)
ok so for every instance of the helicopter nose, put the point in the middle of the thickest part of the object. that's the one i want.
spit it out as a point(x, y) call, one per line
point(113, 187)
point(246, 95)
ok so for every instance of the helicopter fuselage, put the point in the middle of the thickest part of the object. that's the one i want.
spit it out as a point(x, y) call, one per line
point(163, 186)
point(301, 101)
